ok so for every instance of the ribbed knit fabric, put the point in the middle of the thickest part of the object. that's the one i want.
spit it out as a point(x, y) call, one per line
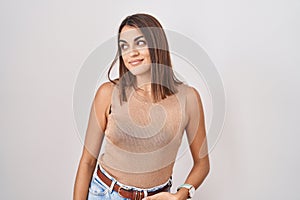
point(143, 138)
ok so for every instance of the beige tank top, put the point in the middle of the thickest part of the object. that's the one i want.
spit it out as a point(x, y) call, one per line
point(143, 138)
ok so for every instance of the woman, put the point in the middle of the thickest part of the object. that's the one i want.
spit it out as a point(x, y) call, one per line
point(142, 115)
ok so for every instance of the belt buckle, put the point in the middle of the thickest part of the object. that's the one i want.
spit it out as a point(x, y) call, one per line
point(120, 187)
point(137, 194)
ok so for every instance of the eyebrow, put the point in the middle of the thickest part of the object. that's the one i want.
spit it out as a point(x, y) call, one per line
point(133, 40)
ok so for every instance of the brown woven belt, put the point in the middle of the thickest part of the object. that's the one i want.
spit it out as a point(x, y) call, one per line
point(127, 193)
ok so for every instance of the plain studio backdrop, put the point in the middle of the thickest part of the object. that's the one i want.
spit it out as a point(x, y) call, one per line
point(253, 44)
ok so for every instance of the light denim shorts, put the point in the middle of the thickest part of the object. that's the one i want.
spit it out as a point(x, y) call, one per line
point(98, 190)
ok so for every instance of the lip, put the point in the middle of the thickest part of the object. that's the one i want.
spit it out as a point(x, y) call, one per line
point(136, 62)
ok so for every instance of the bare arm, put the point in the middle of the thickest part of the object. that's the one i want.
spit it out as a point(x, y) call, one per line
point(93, 141)
point(196, 134)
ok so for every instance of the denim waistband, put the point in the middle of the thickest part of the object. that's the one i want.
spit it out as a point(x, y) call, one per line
point(129, 187)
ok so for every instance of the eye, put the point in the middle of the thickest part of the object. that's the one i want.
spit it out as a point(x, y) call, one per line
point(123, 46)
point(141, 43)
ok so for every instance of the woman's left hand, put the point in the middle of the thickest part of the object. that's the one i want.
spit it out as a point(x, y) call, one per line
point(162, 196)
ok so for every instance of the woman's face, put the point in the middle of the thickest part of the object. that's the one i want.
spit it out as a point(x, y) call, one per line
point(134, 50)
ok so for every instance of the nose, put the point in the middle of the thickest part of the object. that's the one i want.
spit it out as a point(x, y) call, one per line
point(134, 52)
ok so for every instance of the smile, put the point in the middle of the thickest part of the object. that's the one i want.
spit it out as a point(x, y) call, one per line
point(136, 62)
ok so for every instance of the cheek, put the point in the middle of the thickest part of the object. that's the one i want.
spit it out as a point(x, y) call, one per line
point(146, 55)
point(125, 55)
point(125, 58)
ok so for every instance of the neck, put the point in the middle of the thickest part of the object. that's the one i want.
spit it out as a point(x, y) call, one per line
point(144, 81)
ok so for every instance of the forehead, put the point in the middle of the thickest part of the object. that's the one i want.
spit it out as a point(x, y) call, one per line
point(129, 33)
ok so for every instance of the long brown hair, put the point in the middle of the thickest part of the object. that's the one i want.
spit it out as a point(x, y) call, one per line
point(163, 80)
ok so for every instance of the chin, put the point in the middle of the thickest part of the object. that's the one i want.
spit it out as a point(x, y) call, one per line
point(141, 69)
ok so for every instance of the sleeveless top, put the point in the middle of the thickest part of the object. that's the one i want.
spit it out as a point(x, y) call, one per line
point(143, 138)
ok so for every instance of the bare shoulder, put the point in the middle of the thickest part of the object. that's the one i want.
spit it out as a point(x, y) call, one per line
point(192, 92)
point(103, 97)
point(105, 89)
point(193, 97)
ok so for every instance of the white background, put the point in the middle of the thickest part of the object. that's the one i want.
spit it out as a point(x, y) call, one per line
point(254, 45)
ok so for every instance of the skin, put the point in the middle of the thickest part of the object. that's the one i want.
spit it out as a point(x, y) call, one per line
point(201, 165)
point(97, 123)
point(134, 48)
